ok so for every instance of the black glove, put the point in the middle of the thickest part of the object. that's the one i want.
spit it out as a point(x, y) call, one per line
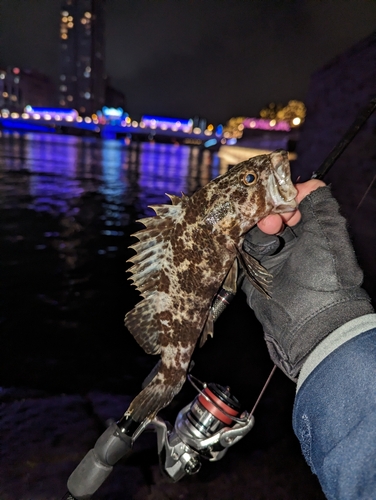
point(316, 281)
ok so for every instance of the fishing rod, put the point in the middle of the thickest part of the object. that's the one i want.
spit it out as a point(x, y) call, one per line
point(205, 428)
point(336, 152)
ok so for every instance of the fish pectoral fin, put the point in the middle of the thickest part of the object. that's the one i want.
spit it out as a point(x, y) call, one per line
point(139, 322)
point(230, 282)
point(260, 277)
point(208, 328)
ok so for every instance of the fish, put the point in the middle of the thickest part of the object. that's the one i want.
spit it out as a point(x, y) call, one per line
point(185, 254)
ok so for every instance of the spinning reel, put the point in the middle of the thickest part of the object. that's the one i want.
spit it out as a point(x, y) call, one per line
point(203, 430)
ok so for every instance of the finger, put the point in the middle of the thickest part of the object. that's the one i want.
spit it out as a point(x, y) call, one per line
point(291, 218)
point(306, 188)
point(272, 224)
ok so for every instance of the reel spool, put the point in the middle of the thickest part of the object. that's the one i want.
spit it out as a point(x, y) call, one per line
point(212, 410)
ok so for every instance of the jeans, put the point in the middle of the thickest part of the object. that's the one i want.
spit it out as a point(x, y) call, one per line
point(334, 419)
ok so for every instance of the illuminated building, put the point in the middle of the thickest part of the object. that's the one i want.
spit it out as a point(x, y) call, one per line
point(82, 78)
point(22, 87)
point(199, 122)
point(264, 124)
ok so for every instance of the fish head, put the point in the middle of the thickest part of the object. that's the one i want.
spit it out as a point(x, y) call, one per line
point(252, 190)
point(281, 192)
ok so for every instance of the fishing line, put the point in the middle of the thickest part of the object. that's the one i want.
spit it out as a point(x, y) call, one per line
point(364, 197)
point(263, 389)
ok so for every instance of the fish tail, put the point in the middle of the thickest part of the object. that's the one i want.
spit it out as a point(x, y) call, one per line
point(155, 396)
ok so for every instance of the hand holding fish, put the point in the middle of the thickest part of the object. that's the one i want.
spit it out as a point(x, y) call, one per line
point(316, 279)
point(320, 327)
point(274, 224)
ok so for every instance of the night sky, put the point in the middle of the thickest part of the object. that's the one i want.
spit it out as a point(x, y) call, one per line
point(214, 58)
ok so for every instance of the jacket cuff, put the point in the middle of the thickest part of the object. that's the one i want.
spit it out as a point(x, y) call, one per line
point(338, 337)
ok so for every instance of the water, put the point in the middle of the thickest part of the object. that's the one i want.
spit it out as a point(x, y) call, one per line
point(68, 207)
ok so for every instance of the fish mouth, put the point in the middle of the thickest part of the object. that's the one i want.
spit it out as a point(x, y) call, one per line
point(281, 190)
point(286, 207)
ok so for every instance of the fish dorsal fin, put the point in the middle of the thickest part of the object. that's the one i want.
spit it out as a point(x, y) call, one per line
point(150, 274)
point(175, 200)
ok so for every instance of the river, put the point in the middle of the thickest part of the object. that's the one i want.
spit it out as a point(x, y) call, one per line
point(68, 206)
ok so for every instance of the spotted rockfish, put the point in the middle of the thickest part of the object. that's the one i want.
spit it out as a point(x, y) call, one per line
point(186, 253)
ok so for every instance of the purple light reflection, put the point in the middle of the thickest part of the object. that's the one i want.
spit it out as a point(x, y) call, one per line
point(54, 165)
point(113, 174)
point(106, 181)
point(164, 168)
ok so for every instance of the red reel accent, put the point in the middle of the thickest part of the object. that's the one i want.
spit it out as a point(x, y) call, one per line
point(214, 410)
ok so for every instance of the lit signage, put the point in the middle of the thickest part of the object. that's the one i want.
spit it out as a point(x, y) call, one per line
point(112, 112)
point(263, 124)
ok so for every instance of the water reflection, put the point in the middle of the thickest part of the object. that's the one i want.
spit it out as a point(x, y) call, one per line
point(68, 206)
point(58, 170)
point(94, 189)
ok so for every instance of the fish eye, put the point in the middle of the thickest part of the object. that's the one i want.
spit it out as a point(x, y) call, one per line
point(249, 178)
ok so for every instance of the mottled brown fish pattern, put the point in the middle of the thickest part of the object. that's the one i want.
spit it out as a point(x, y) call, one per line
point(185, 254)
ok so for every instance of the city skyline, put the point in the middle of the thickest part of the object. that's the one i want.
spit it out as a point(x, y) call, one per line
point(209, 59)
point(82, 77)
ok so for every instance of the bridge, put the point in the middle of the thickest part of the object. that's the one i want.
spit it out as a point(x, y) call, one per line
point(258, 135)
point(110, 127)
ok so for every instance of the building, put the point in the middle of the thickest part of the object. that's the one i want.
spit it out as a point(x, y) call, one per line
point(337, 93)
point(82, 76)
point(23, 87)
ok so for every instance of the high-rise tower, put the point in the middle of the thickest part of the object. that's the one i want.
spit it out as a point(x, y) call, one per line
point(82, 77)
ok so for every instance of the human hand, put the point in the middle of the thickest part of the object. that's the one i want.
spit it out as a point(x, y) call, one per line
point(316, 279)
point(273, 224)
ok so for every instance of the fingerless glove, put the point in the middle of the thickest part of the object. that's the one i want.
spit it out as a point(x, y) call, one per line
point(316, 281)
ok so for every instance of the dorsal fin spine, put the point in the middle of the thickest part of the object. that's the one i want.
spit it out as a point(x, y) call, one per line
point(175, 200)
